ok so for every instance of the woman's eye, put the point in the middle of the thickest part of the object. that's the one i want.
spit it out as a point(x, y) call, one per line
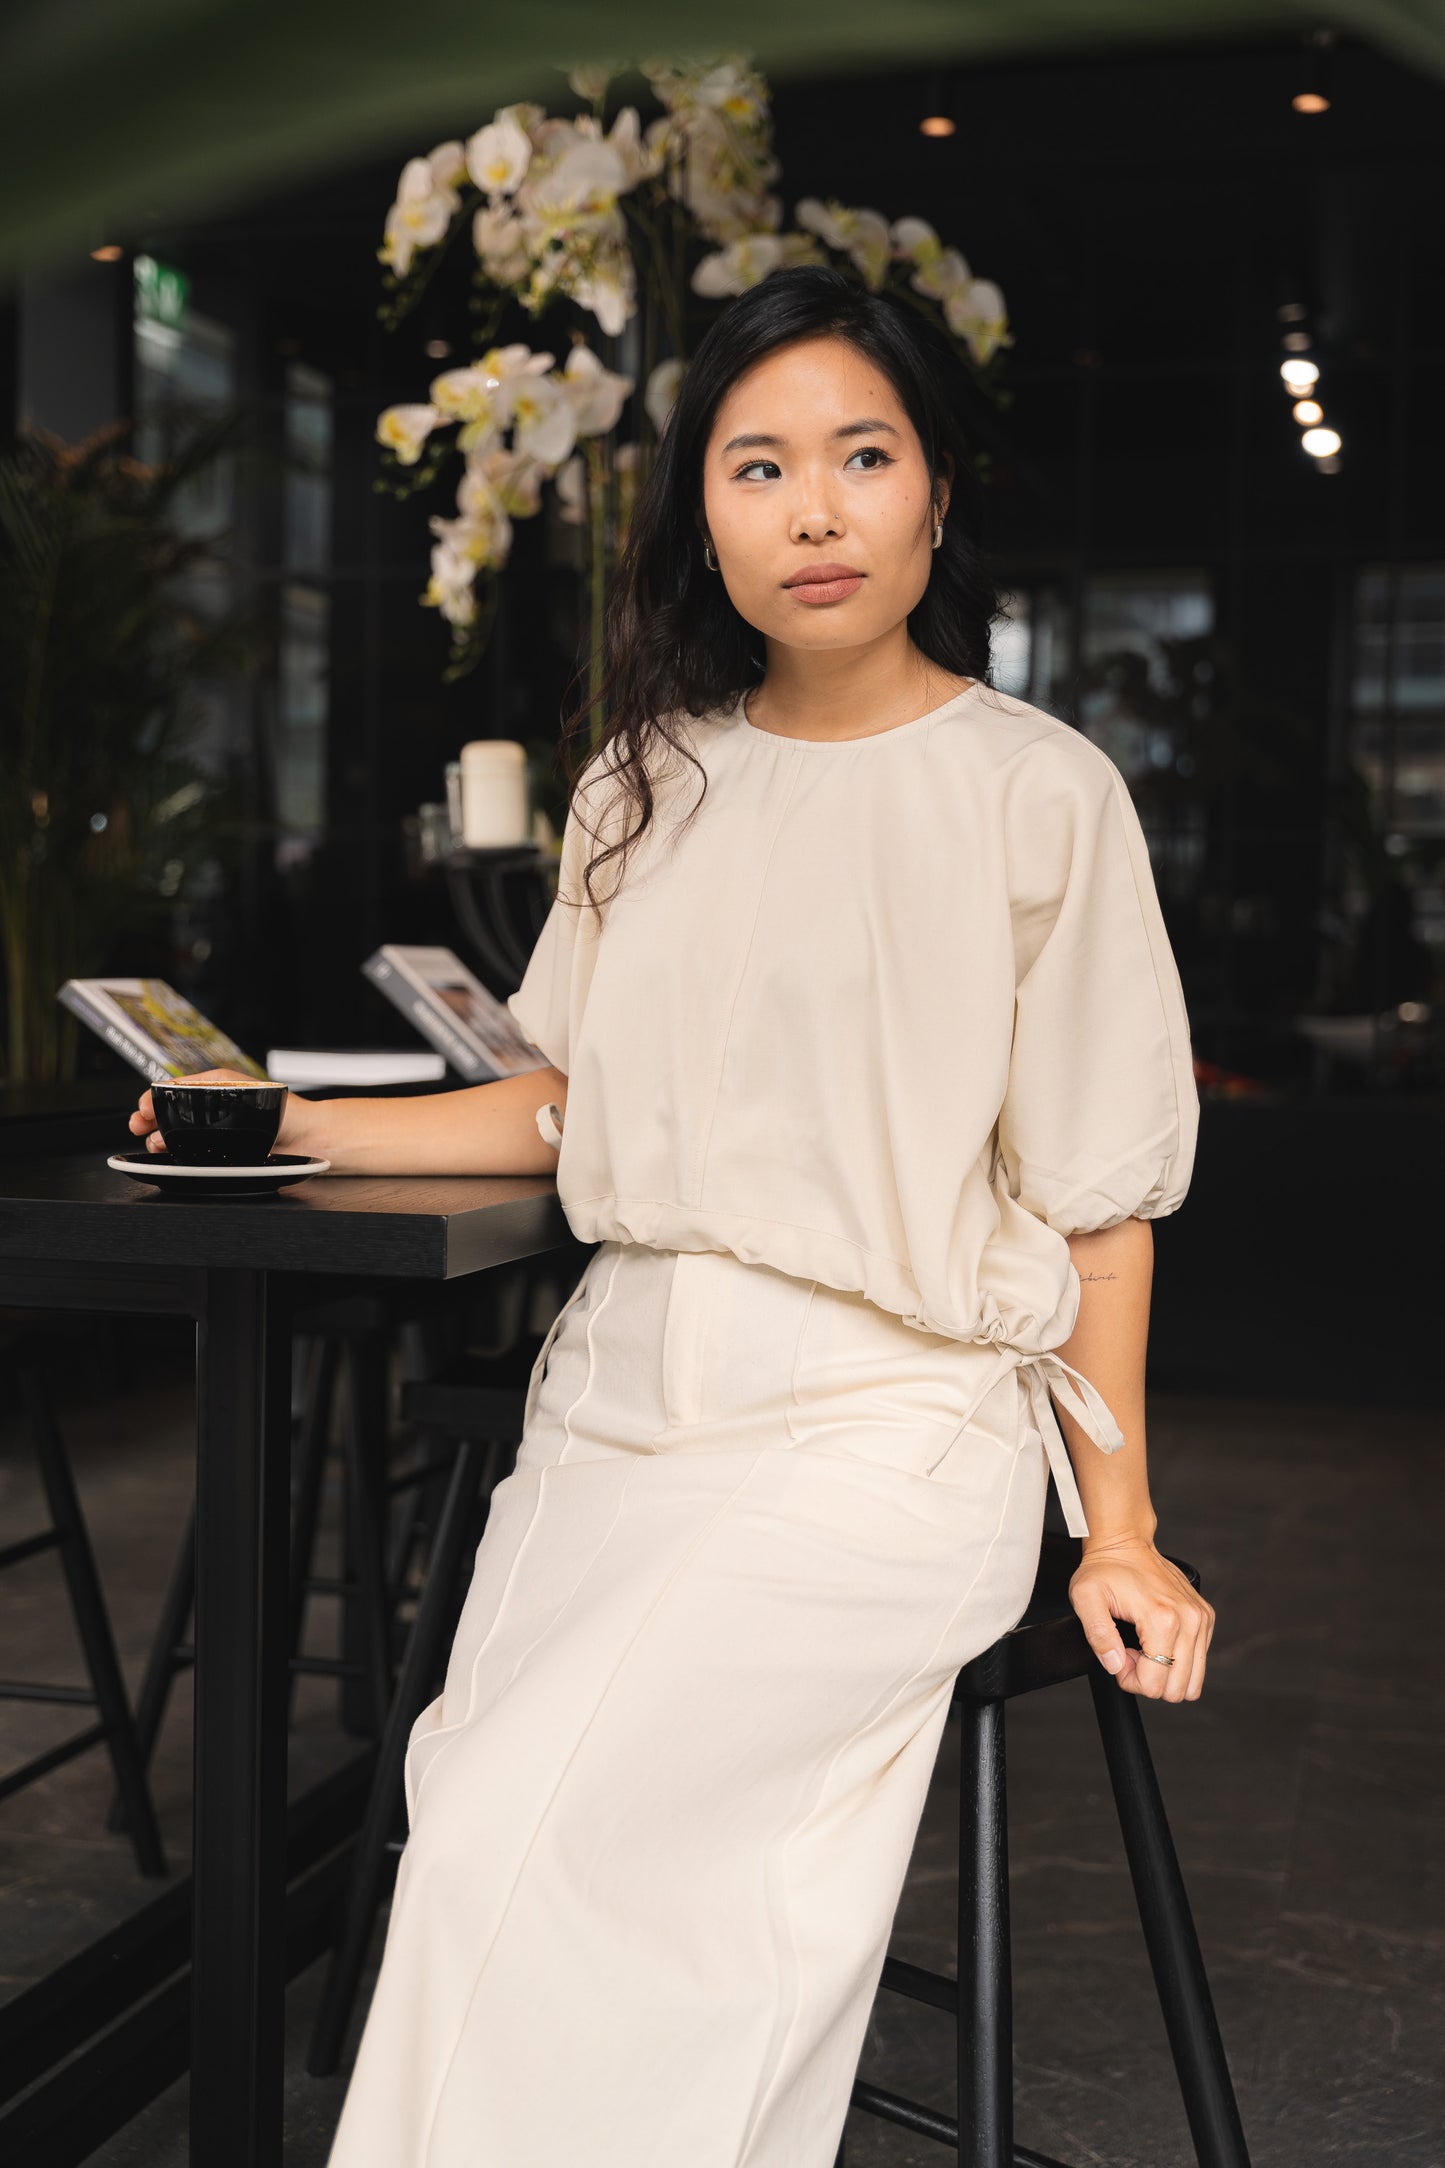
point(872, 451)
point(752, 463)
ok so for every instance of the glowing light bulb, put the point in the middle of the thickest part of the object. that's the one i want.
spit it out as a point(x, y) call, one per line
point(936, 124)
point(1299, 376)
point(108, 252)
point(1307, 410)
point(1321, 443)
point(1310, 101)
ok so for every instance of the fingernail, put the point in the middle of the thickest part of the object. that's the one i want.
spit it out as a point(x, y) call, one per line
point(1111, 1659)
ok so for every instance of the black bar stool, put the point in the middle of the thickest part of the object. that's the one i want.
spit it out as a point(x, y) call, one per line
point(67, 1535)
point(1047, 1648)
point(472, 1417)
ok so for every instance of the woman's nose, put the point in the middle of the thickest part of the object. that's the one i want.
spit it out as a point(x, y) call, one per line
point(813, 524)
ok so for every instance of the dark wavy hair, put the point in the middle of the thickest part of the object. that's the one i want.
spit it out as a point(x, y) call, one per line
point(673, 642)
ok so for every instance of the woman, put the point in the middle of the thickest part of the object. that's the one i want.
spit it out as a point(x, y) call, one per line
point(868, 1069)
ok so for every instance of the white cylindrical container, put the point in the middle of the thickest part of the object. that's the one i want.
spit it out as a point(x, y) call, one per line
point(495, 801)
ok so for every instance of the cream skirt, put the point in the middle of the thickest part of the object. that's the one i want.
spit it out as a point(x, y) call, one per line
point(661, 1812)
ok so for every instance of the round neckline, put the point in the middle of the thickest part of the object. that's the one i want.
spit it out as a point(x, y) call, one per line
point(869, 737)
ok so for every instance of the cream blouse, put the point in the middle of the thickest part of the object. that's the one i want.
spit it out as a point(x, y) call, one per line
point(897, 1013)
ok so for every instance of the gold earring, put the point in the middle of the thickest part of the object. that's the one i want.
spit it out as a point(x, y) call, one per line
point(937, 533)
point(707, 556)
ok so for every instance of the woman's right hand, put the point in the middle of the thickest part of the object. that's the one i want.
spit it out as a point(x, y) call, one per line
point(143, 1122)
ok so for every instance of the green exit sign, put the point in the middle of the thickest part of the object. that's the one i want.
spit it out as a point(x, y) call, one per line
point(162, 294)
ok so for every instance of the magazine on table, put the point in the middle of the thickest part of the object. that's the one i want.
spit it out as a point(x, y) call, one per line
point(154, 1028)
point(449, 1005)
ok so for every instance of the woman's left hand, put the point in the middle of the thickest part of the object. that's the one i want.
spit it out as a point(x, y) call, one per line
point(1127, 1578)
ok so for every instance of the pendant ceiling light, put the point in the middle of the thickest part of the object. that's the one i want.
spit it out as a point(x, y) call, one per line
point(1315, 92)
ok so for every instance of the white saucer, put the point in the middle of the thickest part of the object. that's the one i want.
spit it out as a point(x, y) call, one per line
point(171, 1176)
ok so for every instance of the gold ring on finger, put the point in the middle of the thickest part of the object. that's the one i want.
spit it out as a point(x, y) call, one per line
point(1156, 1659)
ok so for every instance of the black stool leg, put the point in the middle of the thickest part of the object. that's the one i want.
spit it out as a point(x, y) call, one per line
point(985, 1978)
point(93, 1623)
point(366, 1632)
point(163, 1662)
point(1169, 1934)
point(310, 1464)
point(424, 1648)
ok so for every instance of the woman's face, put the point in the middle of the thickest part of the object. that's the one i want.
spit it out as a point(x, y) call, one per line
point(813, 468)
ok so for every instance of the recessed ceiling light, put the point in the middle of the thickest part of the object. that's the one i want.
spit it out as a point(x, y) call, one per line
point(1321, 443)
point(108, 252)
point(936, 124)
point(1299, 376)
point(1306, 411)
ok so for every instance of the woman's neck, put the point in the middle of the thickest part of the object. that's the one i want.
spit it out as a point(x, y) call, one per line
point(840, 693)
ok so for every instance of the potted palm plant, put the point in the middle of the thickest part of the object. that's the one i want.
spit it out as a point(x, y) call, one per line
point(101, 802)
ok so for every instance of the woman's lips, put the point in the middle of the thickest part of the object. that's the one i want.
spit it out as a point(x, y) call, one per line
point(824, 584)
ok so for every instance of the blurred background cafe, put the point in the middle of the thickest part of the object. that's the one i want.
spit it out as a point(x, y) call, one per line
point(264, 719)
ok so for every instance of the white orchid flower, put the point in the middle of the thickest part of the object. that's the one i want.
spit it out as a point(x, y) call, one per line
point(483, 396)
point(583, 182)
point(499, 238)
point(596, 393)
point(815, 216)
point(799, 248)
point(417, 183)
point(448, 163)
point(608, 289)
point(864, 236)
point(591, 80)
point(497, 478)
point(544, 421)
point(418, 218)
point(454, 597)
point(405, 429)
point(451, 588)
point(869, 246)
point(571, 487)
point(480, 539)
point(663, 385)
point(479, 501)
point(515, 360)
point(639, 158)
point(734, 90)
point(914, 239)
point(978, 315)
point(498, 156)
point(738, 266)
point(941, 275)
point(469, 395)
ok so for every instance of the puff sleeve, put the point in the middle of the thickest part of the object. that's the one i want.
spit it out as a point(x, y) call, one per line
point(1100, 1114)
point(547, 1006)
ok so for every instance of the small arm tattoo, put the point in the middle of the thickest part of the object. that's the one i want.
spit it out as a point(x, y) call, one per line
point(1098, 1275)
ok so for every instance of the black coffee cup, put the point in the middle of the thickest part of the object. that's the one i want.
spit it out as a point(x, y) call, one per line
point(218, 1125)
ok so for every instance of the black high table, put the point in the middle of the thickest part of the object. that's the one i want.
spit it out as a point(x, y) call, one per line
point(75, 1236)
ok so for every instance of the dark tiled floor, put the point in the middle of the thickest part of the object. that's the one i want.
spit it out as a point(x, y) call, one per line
point(1304, 1791)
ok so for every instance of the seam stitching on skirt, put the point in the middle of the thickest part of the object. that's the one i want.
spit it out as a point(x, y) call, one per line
point(592, 1316)
point(450, 1731)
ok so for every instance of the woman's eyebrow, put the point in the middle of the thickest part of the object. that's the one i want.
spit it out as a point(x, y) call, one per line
point(869, 426)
